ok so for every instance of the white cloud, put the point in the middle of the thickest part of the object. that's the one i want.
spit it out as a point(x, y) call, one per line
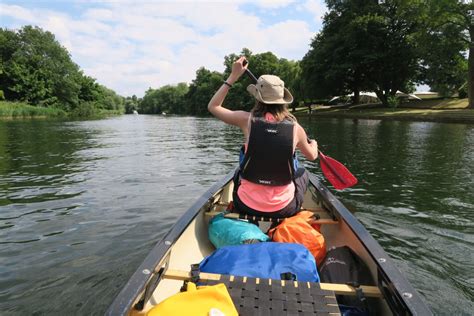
point(130, 47)
point(17, 12)
point(317, 8)
point(272, 4)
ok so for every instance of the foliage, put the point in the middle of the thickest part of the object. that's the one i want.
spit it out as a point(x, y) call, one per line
point(446, 37)
point(37, 70)
point(332, 65)
point(169, 99)
point(131, 104)
point(393, 101)
point(364, 45)
point(201, 91)
point(10, 109)
point(2, 95)
point(85, 109)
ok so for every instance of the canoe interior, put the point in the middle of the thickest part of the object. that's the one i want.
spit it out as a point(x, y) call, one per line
point(193, 246)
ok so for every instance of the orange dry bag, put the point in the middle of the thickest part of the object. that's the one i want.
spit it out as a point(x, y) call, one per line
point(297, 229)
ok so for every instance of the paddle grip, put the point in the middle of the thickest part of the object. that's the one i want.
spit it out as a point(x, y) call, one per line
point(309, 142)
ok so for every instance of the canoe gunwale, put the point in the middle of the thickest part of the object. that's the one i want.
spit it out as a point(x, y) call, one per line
point(137, 283)
point(390, 279)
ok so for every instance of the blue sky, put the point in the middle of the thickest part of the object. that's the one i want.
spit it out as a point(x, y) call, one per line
point(132, 45)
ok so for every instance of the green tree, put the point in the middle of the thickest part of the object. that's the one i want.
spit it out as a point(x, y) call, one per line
point(449, 34)
point(171, 99)
point(148, 104)
point(108, 99)
point(201, 91)
point(289, 71)
point(364, 45)
point(131, 104)
point(37, 69)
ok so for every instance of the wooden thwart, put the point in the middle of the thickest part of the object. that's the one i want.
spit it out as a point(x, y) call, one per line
point(339, 289)
point(324, 217)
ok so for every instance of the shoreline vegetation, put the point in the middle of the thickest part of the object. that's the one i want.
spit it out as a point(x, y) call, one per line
point(347, 62)
point(437, 110)
point(38, 78)
point(19, 110)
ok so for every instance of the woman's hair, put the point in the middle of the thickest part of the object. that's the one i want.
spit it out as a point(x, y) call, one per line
point(279, 111)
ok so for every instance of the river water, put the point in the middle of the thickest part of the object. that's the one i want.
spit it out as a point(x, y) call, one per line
point(82, 203)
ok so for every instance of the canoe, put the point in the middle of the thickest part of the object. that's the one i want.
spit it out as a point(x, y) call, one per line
point(168, 264)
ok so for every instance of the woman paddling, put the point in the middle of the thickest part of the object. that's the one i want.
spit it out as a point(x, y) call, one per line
point(268, 182)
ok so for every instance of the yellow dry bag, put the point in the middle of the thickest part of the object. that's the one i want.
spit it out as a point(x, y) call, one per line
point(204, 301)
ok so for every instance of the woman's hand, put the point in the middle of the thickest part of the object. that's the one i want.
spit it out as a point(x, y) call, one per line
point(238, 69)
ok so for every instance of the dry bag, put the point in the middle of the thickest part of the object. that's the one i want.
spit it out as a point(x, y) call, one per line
point(203, 301)
point(226, 232)
point(342, 265)
point(297, 229)
point(269, 260)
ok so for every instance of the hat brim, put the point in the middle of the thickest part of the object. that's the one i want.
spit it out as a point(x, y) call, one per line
point(287, 97)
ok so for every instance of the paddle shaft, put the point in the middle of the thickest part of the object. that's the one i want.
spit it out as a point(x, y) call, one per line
point(250, 74)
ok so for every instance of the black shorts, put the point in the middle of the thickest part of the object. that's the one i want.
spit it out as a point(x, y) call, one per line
point(301, 184)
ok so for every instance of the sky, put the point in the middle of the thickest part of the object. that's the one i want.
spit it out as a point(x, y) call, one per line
point(130, 46)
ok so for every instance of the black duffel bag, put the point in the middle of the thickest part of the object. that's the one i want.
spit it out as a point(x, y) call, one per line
point(343, 266)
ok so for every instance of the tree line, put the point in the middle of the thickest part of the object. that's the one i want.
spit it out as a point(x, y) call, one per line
point(365, 45)
point(37, 70)
point(389, 45)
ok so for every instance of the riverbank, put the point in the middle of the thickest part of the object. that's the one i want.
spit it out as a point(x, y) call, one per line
point(439, 110)
point(19, 110)
point(11, 110)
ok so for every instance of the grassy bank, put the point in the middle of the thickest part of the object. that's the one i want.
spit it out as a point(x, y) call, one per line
point(19, 110)
point(23, 110)
point(439, 110)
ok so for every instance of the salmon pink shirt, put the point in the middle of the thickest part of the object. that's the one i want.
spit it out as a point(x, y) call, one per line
point(265, 198)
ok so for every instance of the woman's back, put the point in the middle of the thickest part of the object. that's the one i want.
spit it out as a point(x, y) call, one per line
point(264, 197)
point(269, 183)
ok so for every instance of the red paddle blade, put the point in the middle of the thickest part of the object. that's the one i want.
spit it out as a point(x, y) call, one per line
point(336, 173)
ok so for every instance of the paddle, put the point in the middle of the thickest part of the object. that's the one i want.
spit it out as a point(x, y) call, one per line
point(336, 173)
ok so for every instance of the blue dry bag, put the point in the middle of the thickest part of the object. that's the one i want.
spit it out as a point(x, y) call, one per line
point(225, 232)
point(269, 260)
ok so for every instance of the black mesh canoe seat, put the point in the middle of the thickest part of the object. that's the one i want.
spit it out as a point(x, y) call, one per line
point(264, 297)
point(256, 296)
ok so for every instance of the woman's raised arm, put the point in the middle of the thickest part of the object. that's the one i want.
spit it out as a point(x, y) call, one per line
point(237, 118)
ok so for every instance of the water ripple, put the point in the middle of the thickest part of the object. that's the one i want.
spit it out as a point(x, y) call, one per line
point(82, 203)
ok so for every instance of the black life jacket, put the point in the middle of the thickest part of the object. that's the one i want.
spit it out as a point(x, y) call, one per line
point(269, 156)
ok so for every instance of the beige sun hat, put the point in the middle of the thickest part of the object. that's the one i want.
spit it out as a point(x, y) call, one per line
point(270, 89)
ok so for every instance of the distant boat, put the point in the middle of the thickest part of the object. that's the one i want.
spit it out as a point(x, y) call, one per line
point(135, 112)
point(163, 113)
